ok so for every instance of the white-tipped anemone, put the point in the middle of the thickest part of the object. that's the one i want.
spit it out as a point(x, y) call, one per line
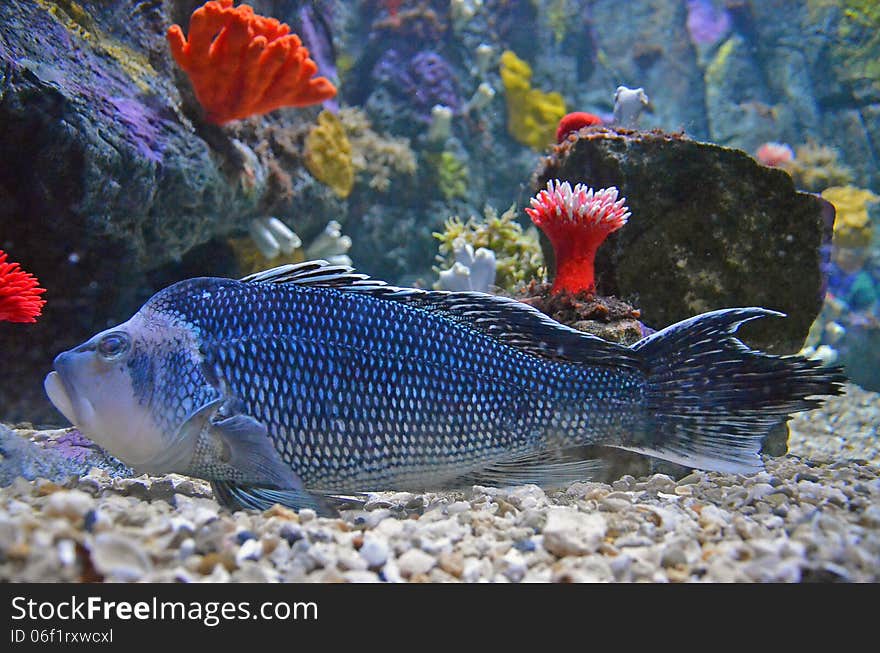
point(581, 205)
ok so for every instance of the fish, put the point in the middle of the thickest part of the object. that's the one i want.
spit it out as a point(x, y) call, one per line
point(309, 383)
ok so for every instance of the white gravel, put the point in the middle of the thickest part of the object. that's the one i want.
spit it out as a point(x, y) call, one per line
point(812, 515)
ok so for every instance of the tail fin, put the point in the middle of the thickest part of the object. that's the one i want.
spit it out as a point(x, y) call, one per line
point(711, 400)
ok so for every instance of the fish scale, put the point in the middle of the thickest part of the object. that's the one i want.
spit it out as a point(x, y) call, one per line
point(412, 398)
point(311, 380)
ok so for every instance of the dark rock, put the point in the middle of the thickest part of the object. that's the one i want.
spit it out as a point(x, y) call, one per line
point(710, 228)
point(605, 317)
point(56, 459)
point(776, 442)
point(292, 533)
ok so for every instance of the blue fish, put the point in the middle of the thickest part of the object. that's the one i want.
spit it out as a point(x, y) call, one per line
point(310, 381)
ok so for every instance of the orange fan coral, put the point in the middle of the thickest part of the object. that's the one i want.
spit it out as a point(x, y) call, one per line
point(242, 64)
point(19, 293)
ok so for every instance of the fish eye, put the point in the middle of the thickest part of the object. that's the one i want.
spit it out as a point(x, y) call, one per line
point(113, 345)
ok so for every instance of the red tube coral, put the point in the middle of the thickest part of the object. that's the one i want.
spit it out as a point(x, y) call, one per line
point(576, 220)
point(574, 121)
point(242, 64)
point(19, 293)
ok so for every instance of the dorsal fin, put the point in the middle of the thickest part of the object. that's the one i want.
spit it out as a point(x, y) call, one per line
point(309, 273)
point(507, 320)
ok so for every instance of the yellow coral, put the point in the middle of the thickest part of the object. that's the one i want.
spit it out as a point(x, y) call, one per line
point(250, 259)
point(518, 256)
point(852, 226)
point(378, 156)
point(532, 115)
point(328, 154)
point(815, 168)
point(452, 173)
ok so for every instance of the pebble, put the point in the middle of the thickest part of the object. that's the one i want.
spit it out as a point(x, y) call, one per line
point(350, 560)
point(374, 551)
point(71, 504)
point(187, 548)
point(476, 569)
point(613, 505)
point(243, 536)
point(251, 549)
point(134, 487)
point(871, 517)
point(306, 515)
point(360, 576)
point(415, 561)
point(512, 565)
point(291, 532)
point(119, 558)
point(457, 507)
point(658, 483)
point(569, 532)
point(67, 552)
point(451, 563)
point(11, 534)
point(377, 516)
point(90, 520)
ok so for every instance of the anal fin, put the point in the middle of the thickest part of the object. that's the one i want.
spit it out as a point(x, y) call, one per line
point(544, 467)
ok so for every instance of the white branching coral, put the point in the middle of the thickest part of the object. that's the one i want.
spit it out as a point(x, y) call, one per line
point(472, 270)
point(628, 106)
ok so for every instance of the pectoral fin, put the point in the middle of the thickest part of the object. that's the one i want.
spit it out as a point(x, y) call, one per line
point(251, 453)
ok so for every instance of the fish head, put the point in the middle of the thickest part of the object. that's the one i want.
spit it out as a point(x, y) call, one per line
point(132, 387)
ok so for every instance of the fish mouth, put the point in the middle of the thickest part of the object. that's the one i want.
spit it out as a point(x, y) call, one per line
point(74, 407)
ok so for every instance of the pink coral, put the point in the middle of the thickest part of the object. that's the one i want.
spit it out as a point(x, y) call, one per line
point(774, 154)
point(577, 221)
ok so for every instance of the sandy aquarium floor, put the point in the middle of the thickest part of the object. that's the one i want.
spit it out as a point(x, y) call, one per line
point(813, 515)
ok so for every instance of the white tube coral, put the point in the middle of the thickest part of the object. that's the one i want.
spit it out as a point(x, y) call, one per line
point(330, 245)
point(482, 98)
point(485, 55)
point(441, 124)
point(272, 237)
